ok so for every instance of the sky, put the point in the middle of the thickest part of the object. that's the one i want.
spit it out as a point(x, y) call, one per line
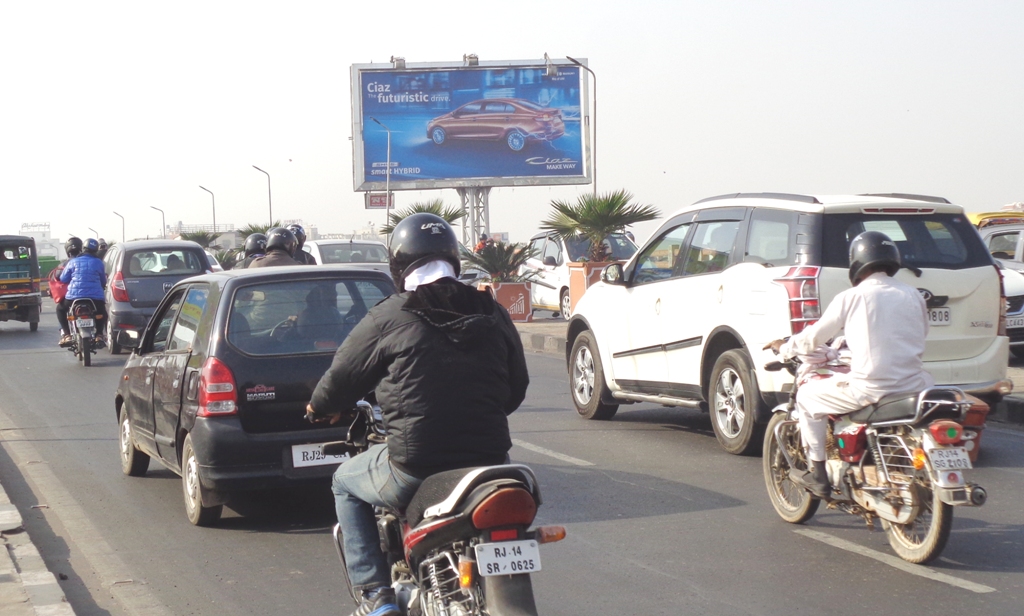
point(123, 106)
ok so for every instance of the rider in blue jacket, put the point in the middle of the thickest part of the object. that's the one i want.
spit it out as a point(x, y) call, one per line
point(86, 279)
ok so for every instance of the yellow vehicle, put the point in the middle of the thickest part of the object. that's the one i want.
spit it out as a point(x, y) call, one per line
point(20, 299)
point(988, 219)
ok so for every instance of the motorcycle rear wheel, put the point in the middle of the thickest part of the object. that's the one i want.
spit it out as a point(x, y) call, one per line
point(793, 503)
point(924, 538)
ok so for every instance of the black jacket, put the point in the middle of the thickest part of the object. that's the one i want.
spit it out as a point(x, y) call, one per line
point(304, 258)
point(272, 258)
point(448, 367)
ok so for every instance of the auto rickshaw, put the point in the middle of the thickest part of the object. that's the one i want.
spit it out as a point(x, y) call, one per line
point(20, 299)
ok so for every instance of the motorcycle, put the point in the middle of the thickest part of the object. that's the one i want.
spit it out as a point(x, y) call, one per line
point(900, 460)
point(464, 545)
point(82, 317)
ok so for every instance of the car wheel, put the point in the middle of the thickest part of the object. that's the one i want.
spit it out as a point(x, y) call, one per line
point(133, 462)
point(438, 135)
point(114, 348)
point(1018, 351)
point(516, 141)
point(734, 402)
point(194, 509)
point(586, 378)
point(565, 303)
point(33, 326)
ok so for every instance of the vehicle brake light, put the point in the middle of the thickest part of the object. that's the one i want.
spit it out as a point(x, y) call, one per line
point(508, 534)
point(898, 210)
point(1003, 304)
point(217, 394)
point(801, 284)
point(946, 432)
point(117, 288)
point(35, 285)
point(506, 507)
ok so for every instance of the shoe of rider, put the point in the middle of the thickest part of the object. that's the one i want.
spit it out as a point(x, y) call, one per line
point(815, 480)
point(380, 602)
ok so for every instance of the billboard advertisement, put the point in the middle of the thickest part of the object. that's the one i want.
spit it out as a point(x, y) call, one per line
point(452, 125)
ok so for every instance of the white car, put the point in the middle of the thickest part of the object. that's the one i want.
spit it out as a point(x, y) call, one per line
point(365, 253)
point(550, 265)
point(1013, 286)
point(684, 322)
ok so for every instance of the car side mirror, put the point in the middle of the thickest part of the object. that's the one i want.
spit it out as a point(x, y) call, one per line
point(128, 338)
point(550, 261)
point(613, 274)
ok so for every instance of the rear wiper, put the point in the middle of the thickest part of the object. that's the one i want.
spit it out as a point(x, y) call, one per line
point(916, 270)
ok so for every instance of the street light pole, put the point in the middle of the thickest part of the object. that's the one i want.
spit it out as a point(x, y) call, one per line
point(163, 222)
point(122, 225)
point(94, 232)
point(214, 209)
point(592, 74)
point(387, 179)
point(270, 203)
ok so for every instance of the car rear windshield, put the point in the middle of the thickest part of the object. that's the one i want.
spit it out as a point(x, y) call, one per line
point(163, 262)
point(942, 241)
point(621, 248)
point(354, 253)
point(300, 316)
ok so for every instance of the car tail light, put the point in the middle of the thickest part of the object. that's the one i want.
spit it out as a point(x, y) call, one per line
point(946, 432)
point(217, 395)
point(117, 289)
point(801, 284)
point(1003, 304)
point(506, 507)
point(35, 286)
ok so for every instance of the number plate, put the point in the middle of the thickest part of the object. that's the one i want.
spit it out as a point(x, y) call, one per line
point(1015, 322)
point(950, 459)
point(507, 557)
point(313, 455)
point(939, 316)
point(86, 323)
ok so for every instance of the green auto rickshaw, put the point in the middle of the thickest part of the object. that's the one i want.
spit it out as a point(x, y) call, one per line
point(20, 299)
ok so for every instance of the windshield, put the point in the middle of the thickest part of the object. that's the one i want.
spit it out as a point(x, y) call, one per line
point(621, 248)
point(300, 316)
point(353, 253)
point(165, 261)
point(943, 241)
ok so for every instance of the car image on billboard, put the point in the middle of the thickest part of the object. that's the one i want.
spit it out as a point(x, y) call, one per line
point(449, 126)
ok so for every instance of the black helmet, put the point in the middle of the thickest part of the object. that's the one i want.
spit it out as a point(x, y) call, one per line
point(280, 238)
point(418, 239)
point(872, 249)
point(103, 248)
point(73, 247)
point(255, 244)
point(300, 234)
point(91, 246)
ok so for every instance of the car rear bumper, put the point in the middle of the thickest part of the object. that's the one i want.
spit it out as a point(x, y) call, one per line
point(984, 374)
point(232, 460)
point(129, 318)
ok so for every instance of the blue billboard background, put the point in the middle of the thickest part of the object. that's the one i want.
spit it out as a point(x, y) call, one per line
point(407, 102)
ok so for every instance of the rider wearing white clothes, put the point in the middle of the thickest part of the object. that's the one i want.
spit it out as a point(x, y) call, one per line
point(885, 323)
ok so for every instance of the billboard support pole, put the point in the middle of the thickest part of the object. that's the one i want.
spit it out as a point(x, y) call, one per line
point(594, 75)
point(387, 179)
point(476, 204)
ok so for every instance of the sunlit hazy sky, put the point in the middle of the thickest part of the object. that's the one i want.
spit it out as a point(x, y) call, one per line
point(119, 106)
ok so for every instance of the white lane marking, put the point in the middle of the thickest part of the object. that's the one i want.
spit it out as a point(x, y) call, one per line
point(553, 454)
point(894, 561)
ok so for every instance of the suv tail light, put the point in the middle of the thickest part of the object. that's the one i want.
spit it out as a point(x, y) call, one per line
point(1003, 304)
point(801, 284)
point(117, 289)
point(217, 392)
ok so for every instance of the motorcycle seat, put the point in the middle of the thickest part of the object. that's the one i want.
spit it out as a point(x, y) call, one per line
point(891, 407)
point(937, 403)
point(446, 490)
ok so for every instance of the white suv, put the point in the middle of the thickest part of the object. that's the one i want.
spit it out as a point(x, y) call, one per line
point(684, 322)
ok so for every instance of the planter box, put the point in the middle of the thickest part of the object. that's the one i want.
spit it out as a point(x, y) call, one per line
point(581, 276)
point(514, 296)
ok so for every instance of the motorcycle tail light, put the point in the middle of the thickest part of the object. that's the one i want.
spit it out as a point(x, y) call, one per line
point(508, 534)
point(117, 288)
point(216, 390)
point(466, 572)
point(549, 534)
point(946, 432)
point(505, 507)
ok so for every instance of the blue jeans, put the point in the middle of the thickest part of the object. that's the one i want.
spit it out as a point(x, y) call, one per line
point(366, 481)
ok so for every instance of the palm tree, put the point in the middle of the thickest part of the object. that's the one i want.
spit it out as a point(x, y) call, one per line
point(227, 258)
point(255, 227)
point(595, 217)
point(437, 207)
point(501, 262)
point(202, 238)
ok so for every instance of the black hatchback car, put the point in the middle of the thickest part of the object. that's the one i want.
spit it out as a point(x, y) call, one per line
point(217, 383)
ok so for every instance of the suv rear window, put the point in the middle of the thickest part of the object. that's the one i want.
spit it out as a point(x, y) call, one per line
point(301, 316)
point(164, 262)
point(354, 253)
point(941, 241)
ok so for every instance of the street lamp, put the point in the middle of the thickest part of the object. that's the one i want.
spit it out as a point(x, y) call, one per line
point(122, 225)
point(580, 64)
point(270, 203)
point(95, 233)
point(387, 179)
point(163, 222)
point(214, 209)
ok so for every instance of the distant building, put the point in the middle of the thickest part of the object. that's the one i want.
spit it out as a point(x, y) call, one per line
point(46, 246)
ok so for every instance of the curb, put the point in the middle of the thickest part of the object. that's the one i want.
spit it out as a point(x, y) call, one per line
point(26, 586)
point(1010, 410)
point(543, 343)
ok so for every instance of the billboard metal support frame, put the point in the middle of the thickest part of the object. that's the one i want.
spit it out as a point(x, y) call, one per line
point(476, 204)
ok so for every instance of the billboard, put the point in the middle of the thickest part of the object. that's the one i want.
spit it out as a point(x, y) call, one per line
point(452, 125)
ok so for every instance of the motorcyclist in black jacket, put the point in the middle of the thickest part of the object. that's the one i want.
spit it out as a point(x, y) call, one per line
point(301, 255)
point(281, 245)
point(448, 367)
point(255, 247)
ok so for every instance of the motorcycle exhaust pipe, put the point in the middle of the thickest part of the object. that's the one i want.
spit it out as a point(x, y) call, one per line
point(977, 494)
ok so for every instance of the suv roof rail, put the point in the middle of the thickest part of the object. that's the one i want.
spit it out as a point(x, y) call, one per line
point(910, 196)
point(764, 195)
